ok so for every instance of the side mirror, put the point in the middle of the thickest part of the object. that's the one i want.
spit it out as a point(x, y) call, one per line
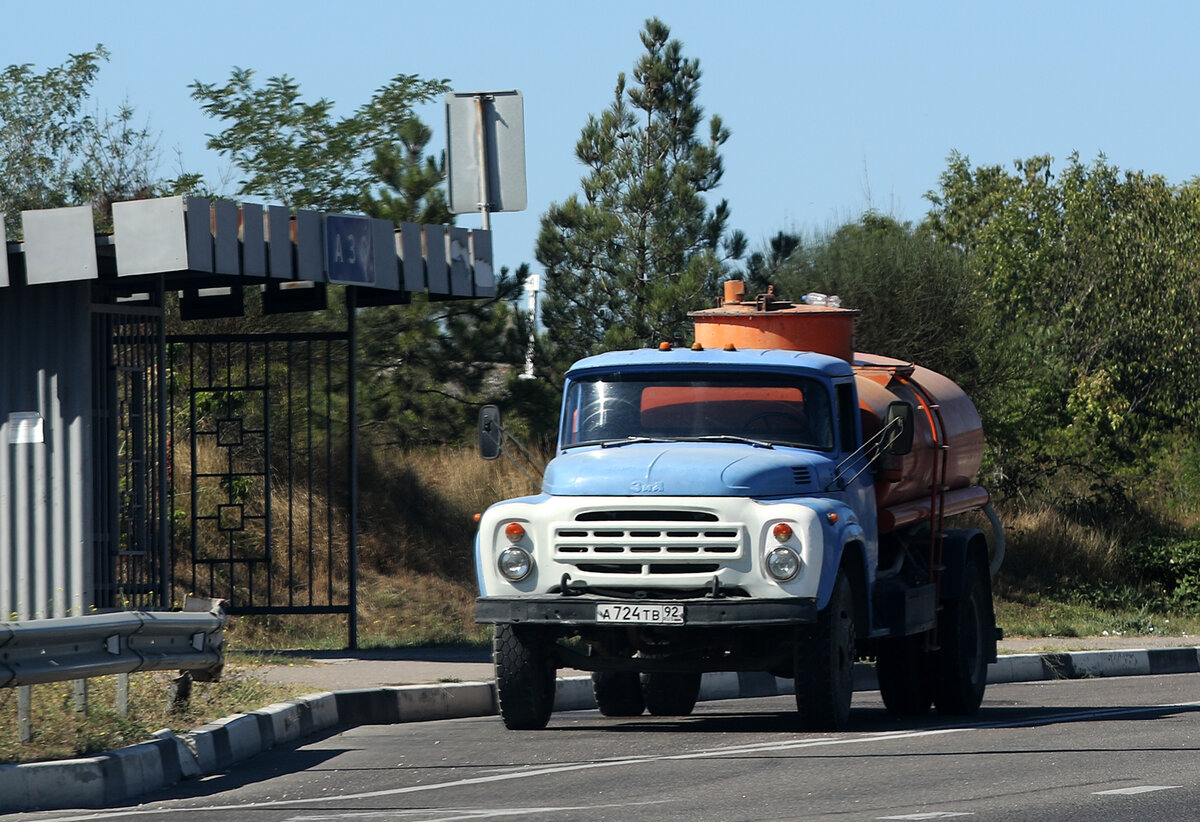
point(899, 425)
point(491, 436)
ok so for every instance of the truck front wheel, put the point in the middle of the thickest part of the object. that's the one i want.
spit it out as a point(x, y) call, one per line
point(524, 676)
point(964, 632)
point(618, 693)
point(824, 661)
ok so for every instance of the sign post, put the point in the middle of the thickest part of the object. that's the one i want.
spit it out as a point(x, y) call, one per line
point(485, 165)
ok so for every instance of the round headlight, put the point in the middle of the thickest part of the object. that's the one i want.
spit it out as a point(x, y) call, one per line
point(515, 563)
point(783, 563)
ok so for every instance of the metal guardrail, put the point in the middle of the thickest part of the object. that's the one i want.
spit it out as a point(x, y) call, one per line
point(33, 652)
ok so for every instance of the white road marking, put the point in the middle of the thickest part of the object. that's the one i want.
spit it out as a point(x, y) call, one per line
point(1137, 789)
point(733, 750)
point(930, 815)
point(452, 814)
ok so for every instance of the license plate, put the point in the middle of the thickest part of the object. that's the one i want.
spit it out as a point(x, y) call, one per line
point(641, 614)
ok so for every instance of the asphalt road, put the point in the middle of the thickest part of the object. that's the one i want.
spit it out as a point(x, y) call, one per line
point(1099, 749)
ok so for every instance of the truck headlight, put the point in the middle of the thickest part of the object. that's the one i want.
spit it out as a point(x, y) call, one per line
point(783, 563)
point(515, 563)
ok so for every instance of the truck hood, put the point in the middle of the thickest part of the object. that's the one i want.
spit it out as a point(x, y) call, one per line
point(686, 469)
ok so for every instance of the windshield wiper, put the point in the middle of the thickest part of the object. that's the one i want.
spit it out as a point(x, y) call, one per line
point(632, 440)
point(731, 438)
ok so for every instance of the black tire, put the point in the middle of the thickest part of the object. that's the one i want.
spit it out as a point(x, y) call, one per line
point(824, 662)
point(618, 693)
point(524, 677)
point(670, 694)
point(966, 632)
point(905, 673)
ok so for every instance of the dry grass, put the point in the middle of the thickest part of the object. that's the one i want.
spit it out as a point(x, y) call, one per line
point(416, 563)
point(1047, 549)
point(60, 733)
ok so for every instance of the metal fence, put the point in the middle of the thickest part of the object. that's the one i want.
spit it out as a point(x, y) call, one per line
point(262, 464)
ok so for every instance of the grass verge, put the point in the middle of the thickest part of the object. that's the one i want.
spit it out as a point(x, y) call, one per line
point(61, 733)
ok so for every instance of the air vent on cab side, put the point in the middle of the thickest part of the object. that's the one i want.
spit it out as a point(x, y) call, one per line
point(802, 475)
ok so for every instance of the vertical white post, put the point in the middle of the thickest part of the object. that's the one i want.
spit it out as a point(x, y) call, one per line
point(24, 714)
point(123, 696)
point(532, 286)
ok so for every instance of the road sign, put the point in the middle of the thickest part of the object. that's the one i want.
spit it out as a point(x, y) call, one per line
point(485, 165)
point(348, 250)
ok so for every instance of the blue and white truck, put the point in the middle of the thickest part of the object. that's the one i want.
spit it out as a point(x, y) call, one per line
point(764, 500)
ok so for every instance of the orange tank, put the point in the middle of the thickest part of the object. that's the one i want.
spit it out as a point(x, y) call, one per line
point(943, 414)
point(775, 324)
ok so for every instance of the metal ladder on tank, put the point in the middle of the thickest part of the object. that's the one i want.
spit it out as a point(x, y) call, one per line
point(937, 500)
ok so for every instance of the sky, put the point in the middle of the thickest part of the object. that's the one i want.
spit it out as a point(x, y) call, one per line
point(835, 108)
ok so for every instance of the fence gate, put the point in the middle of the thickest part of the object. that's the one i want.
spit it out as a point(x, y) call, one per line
point(129, 454)
point(262, 457)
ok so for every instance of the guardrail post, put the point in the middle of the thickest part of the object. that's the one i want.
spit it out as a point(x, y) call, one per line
point(81, 693)
point(123, 696)
point(24, 710)
point(180, 693)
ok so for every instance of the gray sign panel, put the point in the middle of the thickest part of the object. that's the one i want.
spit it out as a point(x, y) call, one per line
point(150, 236)
point(60, 245)
point(502, 132)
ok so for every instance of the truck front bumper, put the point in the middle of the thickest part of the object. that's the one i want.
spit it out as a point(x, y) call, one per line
point(581, 610)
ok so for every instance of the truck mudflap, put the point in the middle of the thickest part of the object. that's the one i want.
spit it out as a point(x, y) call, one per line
point(604, 611)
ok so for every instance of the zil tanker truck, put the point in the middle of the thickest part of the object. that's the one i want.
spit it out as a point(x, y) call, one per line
point(763, 500)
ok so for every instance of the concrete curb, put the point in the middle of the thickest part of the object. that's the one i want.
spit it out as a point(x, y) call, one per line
point(121, 775)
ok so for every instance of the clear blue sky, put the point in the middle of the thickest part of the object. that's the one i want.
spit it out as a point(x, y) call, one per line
point(835, 108)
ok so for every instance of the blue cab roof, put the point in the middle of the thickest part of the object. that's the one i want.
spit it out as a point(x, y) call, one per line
point(686, 358)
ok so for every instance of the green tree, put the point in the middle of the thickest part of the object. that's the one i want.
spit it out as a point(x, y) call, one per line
point(55, 151)
point(627, 258)
point(296, 152)
point(764, 267)
point(410, 181)
point(917, 299)
point(1091, 291)
point(424, 367)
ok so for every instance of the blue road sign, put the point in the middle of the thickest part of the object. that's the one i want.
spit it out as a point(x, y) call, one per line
point(348, 256)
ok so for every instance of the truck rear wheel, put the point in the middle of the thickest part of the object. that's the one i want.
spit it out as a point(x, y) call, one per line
point(905, 675)
point(670, 694)
point(964, 632)
point(618, 693)
point(824, 662)
point(524, 677)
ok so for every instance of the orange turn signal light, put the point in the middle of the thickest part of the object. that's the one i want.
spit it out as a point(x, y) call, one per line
point(515, 531)
point(782, 531)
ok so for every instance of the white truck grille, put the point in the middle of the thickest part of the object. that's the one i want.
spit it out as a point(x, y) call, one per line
point(648, 546)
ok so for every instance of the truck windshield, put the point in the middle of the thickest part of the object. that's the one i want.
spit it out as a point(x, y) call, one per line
point(773, 408)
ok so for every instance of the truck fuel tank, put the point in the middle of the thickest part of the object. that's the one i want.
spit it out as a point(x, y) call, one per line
point(946, 427)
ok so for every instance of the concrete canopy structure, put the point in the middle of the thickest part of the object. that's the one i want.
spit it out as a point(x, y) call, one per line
point(86, 447)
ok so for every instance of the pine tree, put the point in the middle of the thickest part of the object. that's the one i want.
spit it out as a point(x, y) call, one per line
point(627, 258)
